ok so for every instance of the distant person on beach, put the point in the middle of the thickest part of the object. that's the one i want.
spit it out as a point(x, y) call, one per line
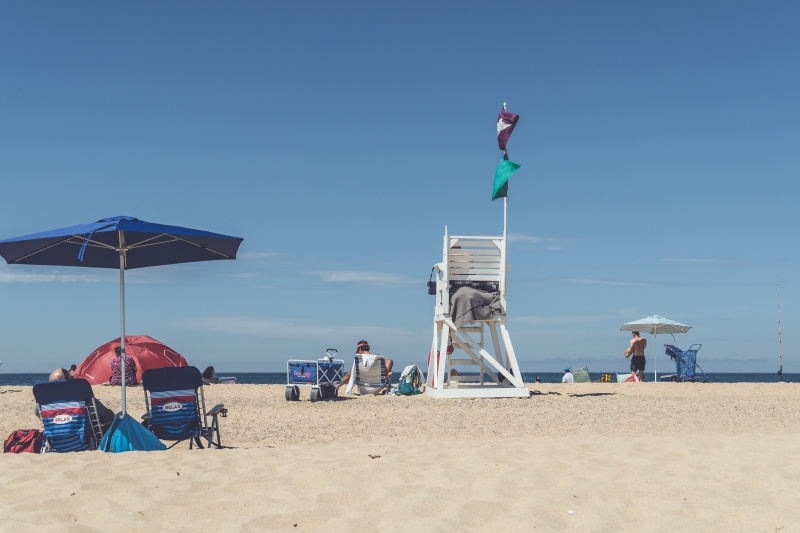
point(568, 377)
point(538, 379)
point(209, 376)
point(362, 349)
point(116, 369)
point(72, 369)
point(636, 352)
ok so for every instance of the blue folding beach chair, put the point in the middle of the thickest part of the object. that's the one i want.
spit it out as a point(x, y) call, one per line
point(176, 406)
point(685, 363)
point(69, 415)
point(322, 375)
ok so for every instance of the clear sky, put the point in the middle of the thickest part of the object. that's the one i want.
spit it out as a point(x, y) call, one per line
point(658, 144)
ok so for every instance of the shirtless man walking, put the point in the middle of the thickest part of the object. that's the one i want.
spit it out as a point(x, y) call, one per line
point(636, 349)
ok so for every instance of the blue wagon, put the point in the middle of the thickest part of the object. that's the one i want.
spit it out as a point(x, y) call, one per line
point(323, 376)
point(685, 363)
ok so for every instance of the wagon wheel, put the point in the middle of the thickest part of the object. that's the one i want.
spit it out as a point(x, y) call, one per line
point(292, 394)
point(316, 394)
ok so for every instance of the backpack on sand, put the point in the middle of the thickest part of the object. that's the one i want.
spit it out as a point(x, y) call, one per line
point(411, 381)
point(24, 440)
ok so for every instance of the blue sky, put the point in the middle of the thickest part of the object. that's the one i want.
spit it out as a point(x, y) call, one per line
point(658, 144)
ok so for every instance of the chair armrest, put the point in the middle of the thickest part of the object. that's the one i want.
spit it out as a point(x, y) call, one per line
point(218, 410)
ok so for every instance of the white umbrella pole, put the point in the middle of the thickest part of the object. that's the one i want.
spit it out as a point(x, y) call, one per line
point(122, 317)
point(655, 357)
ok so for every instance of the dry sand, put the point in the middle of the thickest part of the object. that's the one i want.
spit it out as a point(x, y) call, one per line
point(582, 457)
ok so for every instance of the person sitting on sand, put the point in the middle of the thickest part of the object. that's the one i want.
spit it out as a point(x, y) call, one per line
point(209, 376)
point(568, 377)
point(362, 349)
point(636, 349)
point(116, 370)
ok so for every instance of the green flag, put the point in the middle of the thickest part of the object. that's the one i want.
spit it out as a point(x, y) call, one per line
point(504, 171)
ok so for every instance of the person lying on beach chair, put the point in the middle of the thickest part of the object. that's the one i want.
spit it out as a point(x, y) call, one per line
point(371, 372)
point(69, 412)
point(176, 406)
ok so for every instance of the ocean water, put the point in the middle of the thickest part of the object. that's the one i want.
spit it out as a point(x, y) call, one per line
point(278, 378)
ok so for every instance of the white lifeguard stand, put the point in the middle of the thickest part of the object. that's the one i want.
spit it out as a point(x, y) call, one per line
point(475, 259)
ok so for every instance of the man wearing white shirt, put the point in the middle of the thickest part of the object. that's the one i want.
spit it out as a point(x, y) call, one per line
point(568, 377)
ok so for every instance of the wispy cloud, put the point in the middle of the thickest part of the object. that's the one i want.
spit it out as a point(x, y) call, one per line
point(257, 327)
point(549, 244)
point(688, 260)
point(264, 258)
point(362, 277)
point(612, 283)
point(558, 320)
point(9, 276)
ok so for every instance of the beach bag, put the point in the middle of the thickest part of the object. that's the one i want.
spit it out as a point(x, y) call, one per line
point(431, 284)
point(411, 381)
point(24, 440)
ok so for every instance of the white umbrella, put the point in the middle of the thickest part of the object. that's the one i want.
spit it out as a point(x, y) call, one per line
point(655, 324)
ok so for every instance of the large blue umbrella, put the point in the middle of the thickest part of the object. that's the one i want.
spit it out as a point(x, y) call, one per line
point(655, 324)
point(119, 243)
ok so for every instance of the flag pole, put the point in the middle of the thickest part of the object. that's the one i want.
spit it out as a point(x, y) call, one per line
point(780, 346)
point(505, 198)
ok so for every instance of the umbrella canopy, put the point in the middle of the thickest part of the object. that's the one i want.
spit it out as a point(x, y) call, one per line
point(146, 351)
point(655, 324)
point(100, 245)
point(122, 243)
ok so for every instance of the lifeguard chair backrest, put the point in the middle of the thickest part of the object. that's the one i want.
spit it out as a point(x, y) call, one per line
point(172, 401)
point(473, 259)
point(67, 409)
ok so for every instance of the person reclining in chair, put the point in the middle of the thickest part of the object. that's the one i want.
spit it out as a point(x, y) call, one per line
point(362, 349)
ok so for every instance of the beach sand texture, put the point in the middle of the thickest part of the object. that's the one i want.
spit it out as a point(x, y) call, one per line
point(582, 457)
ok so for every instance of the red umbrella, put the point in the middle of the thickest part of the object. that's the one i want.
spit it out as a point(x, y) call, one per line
point(146, 351)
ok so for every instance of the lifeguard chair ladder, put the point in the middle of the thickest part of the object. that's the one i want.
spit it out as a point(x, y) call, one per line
point(469, 258)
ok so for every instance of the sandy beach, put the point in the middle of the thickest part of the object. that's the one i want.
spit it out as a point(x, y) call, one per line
point(582, 457)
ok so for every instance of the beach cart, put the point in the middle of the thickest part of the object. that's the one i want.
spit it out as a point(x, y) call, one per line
point(323, 376)
point(685, 363)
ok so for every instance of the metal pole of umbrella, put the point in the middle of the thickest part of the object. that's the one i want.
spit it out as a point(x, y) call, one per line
point(122, 317)
point(655, 357)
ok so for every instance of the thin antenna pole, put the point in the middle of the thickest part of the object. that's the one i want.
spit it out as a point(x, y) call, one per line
point(780, 346)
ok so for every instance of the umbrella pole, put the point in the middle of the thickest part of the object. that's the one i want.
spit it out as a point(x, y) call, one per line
point(122, 319)
point(655, 357)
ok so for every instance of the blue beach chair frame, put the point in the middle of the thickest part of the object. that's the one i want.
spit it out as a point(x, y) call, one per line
point(685, 363)
point(322, 376)
point(176, 406)
point(69, 415)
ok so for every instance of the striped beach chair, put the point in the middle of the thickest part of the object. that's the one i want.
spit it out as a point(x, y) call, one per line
point(369, 380)
point(176, 408)
point(69, 415)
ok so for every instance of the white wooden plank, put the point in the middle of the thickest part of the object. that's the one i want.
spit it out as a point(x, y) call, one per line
point(475, 277)
point(457, 252)
point(455, 271)
point(479, 391)
point(462, 244)
point(463, 362)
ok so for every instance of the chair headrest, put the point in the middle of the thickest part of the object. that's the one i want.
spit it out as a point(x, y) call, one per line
point(172, 378)
point(69, 389)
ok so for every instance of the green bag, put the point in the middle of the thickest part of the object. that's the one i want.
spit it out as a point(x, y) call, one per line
point(411, 382)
